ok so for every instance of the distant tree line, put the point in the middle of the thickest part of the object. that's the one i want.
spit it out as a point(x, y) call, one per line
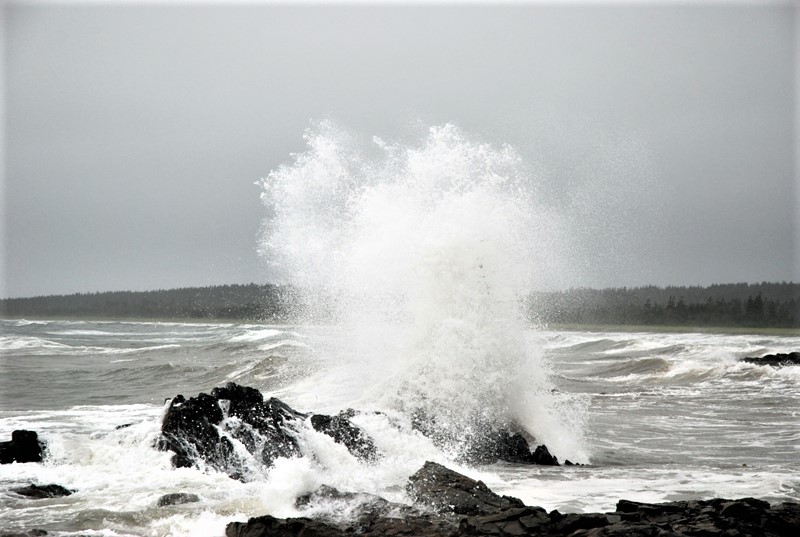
point(739, 304)
point(237, 302)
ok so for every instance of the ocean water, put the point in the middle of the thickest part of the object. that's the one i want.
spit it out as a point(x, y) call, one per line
point(656, 416)
point(411, 260)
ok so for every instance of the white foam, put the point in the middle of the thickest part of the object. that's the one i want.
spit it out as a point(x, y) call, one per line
point(446, 236)
point(256, 335)
point(12, 343)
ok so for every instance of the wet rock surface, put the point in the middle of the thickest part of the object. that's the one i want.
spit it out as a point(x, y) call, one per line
point(776, 360)
point(200, 430)
point(443, 498)
point(504, 446)
point(485, 444)
point(24, 446)
point(177, 498)
point(42, 491)
point(344, 432)
point(446, 491)
point(359, 501)
point(30, 533)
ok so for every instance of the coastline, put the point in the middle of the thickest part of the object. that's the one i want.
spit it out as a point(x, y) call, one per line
point(556, 327)
point(673, 329)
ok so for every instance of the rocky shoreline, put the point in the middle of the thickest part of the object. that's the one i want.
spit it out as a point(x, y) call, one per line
point(446, 503)
point(449, 504)
point(200, 431)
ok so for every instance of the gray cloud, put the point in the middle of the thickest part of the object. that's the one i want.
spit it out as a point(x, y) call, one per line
point(134, 134)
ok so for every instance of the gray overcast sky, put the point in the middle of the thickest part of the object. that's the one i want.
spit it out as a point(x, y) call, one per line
point(134, 134)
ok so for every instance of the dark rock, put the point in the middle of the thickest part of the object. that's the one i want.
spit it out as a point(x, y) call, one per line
point(189, 429)
point(503, 446)
point(512, 521)
point(484, 445)
point(30, 533)
point(542, 456)
point(177, 498)
point(265, 526)
point(718, 516)
point(241, 397)
point(421, 525)
point(267, 429)
point(325, 494)
point(444, 490)
point(776, 360)
point(42, 491)
point(783, 519)
point(744, 510)
point(573, 522)
point(344, 432)
point(435, 486)
point(368, 508)
point(24, 446)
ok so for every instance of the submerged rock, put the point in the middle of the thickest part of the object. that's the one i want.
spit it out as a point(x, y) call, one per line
point(363, 504)
point(36, 532)
point(24, 446)
point(177, 498)
point(42, 491)
point(776, 360)
point(200, 430)
point(490, 514)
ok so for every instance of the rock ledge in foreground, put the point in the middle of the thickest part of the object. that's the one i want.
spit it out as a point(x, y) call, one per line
point(447, 491)
point(434, 486)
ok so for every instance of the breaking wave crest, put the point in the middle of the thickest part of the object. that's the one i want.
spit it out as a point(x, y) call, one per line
point(445, 237)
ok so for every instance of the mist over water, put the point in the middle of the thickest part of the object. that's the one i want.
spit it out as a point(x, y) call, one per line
point(444, 237)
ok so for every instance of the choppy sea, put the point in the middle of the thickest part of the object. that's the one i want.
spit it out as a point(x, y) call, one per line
point(653, 416)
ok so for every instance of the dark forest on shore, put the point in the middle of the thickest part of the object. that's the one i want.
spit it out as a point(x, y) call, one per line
point(725, 305)
point(773, 305)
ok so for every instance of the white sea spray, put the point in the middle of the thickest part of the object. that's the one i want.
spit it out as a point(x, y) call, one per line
point(446, 237)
